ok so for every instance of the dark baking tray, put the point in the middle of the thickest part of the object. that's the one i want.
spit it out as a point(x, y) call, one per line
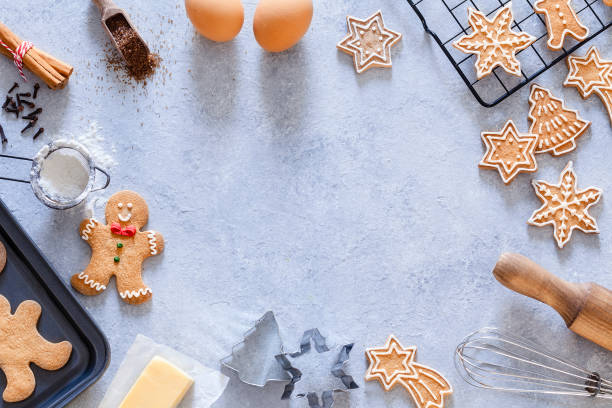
point(28, 275)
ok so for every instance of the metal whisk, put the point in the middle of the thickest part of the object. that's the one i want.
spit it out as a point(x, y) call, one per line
point(492, 359)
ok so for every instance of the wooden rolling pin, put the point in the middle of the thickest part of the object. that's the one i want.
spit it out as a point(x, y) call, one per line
point(585, 307)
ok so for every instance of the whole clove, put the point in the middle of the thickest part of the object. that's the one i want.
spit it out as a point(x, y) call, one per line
point(29, 125)
point(19, 105)
point(3, 138)
point(12, 110)
point(33, 114)
point(28, 104)
point(25, 94)
point(7, 101)
point(39, 132)
point(36, 88)
point(15, 85)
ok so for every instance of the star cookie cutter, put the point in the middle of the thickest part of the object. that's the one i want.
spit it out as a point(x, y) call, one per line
point(253, 359)
point(327, 396)
point(394, 364)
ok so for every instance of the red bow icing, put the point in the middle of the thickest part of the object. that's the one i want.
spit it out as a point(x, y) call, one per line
point(128, 231)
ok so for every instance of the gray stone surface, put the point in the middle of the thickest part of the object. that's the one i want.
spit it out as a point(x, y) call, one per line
point(289, 183)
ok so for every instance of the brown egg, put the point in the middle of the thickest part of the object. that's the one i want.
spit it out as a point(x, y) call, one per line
point(217, 20)
point(279, 24)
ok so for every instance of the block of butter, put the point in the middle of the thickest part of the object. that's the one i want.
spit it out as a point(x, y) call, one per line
point(160, 385)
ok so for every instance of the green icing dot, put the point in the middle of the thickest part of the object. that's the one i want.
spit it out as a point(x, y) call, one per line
point(119, 245)
point(116, 259)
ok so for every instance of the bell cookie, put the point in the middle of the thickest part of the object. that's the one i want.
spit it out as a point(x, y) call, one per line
point(561, 20)
point(394, 364)
point(2, 257)
point(591, 74)
point(556, 126)
point(22, 344)
point(565, 207)
point(369, 42)
point(119, 249)
point(494, 42)
point(509, 152)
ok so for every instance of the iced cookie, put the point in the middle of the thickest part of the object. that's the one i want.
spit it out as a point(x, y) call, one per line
point(591, 74)
point(21, 345)
point(494, 42)
point(394, 364)
point(509, 152)
point(2, 257)
point(561, 20)
point(565, 207)
point(556, 126)
point(369, 42)
point(119, 249)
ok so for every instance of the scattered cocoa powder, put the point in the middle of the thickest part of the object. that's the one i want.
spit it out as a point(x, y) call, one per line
point(140, 63)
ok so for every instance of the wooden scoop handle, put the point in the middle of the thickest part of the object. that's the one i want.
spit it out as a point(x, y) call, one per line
point(524, 276)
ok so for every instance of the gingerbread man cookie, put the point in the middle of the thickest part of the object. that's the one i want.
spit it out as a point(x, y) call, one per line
point(561, 20)
point(21, 344)
point(2, 257)
point(394, 364)
point(119, 249)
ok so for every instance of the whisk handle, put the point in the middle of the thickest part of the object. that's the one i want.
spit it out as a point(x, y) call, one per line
point(522, 275)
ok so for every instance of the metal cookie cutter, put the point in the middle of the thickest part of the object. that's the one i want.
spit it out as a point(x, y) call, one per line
point(76, 150)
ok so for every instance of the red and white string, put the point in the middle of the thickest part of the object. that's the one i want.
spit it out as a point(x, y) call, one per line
point(18, 55)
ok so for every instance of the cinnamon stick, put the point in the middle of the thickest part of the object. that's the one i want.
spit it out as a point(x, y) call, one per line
point(49, 69)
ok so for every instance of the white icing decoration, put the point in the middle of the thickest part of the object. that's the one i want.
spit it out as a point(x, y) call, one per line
point(130, 205)
point(119, 205)
point(90, 282)
point(152, 243)
point(135, 293)
point(125, 218)
point(88, 229)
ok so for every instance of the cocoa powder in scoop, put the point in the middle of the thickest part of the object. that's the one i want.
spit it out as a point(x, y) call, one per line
point(140, 63)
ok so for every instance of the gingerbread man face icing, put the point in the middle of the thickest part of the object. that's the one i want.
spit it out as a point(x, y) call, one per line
point(119, 249)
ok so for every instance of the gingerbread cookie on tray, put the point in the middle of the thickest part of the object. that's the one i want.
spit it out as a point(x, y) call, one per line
point(119, 249)
point(21, 345)
point(394, 365)
point(494, 41)
point(561, 20)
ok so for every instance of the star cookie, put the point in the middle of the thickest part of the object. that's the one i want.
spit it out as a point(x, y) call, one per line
point(561, 20)
point(369, 42)
point(494, 42)
point(393, 364)
point(509, 152)
point(565, 207)
point(556, 126)
point(591, 74)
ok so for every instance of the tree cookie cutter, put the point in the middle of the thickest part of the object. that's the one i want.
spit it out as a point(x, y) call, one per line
point(73, 148)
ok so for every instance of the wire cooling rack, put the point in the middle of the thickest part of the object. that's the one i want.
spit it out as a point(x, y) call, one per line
point(447, 21)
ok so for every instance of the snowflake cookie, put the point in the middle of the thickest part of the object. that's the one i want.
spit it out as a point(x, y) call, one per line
point(494, 42)
point(22, 345)
point(509, 152)
point(565, 207)
point(393, 364)
point(369, 42)
point(556, 126)
point(119, 249)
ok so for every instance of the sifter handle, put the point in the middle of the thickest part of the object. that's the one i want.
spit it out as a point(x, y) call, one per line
point(522, 275)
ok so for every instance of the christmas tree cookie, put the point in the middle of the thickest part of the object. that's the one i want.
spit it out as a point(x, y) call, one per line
point(565, 207)
point(509, 152)
point(591, 74)
point(494, 42)
point(556, 126)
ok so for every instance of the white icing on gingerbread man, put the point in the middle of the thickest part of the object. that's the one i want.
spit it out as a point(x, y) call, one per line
point(119, 249)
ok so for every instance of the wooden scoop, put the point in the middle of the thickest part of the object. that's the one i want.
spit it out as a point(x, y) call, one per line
point(112, 19)
point(585, 307)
